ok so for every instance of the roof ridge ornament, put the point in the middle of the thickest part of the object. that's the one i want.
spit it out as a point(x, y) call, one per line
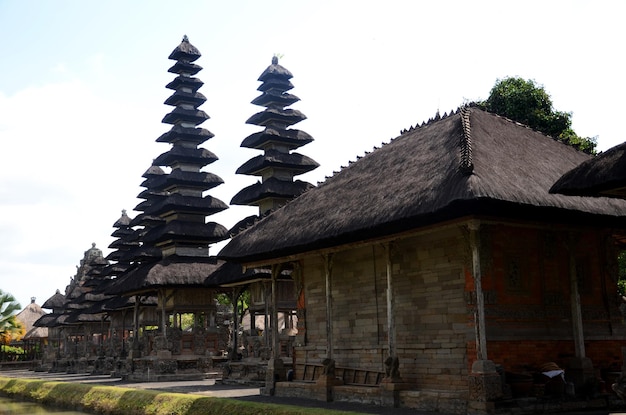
point(467, 165)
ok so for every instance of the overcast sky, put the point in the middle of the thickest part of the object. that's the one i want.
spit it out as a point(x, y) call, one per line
point(82, 86)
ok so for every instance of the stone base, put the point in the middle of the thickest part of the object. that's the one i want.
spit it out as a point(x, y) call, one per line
point(424, 400)
point(390, 391)
point(276, 372)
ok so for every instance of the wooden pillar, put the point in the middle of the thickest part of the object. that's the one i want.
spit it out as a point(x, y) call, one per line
point(485, 384)
point(235, 301)
point(266, 301)
point(276, 269)
point(328, 266)
point(135, 345)
point(576, 310)
point(391, 322)
point(479, 324)
point(162, 300)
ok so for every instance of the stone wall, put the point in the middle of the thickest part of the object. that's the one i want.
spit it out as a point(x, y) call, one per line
point(431, 314)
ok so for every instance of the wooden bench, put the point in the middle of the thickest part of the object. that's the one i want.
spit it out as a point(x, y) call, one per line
point(350, 376)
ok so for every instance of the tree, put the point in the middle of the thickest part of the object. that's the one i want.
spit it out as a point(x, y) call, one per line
point(10, 327)
point(526, 102)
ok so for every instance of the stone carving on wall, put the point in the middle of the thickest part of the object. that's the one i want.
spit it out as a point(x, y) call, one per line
point(392, 369)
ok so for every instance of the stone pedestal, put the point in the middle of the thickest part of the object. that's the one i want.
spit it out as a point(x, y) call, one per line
point(485, 386)
point(390, 391)
point(580, 372)
point(324, 386)
point(276, 372)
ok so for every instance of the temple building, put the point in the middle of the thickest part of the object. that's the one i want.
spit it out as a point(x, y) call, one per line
point(472, 280)
point(173, 214)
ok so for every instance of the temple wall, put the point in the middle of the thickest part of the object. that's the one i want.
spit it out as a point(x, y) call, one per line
point(526, 283)
point(527, 303)
point(430, 310)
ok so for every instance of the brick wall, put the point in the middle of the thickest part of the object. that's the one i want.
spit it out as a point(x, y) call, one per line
point(526, 284)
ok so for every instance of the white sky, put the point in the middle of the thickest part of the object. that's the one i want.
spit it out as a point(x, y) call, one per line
point(82, 85)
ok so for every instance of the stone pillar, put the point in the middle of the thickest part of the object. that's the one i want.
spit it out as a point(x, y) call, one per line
point(324, 385)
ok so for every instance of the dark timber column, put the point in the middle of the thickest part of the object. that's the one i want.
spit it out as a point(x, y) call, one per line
point(580, 368)
point(391, 323)
point(275, 368)
point(485, 385)
point(328, 267)
point(481, 337)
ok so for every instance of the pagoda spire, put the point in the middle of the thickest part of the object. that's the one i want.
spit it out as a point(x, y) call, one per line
point(177, 197)
point(278, 165)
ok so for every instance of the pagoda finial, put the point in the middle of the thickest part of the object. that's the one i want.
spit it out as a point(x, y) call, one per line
point(274, 60)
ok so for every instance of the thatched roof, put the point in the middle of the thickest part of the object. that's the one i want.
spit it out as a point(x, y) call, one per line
point(172, 271)
point(603, 175)
point(468, 163)
point(28, 316)
point(57, 301)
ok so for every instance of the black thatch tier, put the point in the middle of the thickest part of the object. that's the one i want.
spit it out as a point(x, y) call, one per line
point(189, 155)
point(294, 162)
point(146, 220)
point(127, 234)
point(271, 187)
point(153, 171)
point(51, 320)
point(54, 302)
point(185, 82)
point(275, 71)
point(185, 67)
point(185, 51)
point(76, 318)
point(603, 175)
point(232, 274)
point(179, 231)
point(124, 244)
point(198, 180)
point(144, 253)
point(151, 195)
point(275, 99)
point(191, 135)
point(179, 97)
point(207, 205)
point(291, 138)
point(419, 179)
point(281, 85)
point(179, 115)
point(172, 271)
point(278, 116)
point(119, 267)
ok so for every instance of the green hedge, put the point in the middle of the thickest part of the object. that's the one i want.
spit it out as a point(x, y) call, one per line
point(112, 400)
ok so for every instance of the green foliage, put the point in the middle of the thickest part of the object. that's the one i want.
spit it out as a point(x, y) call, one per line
point(9, 326)
point(621, 280)
point(243, 302)
point(112, 400)
point(528, 103)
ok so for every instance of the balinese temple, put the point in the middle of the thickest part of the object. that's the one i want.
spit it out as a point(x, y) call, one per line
point(77, 328)
point(173, 214)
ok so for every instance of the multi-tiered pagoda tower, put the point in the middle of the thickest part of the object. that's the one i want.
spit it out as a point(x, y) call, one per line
point(278, 165)
point(182, 205)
